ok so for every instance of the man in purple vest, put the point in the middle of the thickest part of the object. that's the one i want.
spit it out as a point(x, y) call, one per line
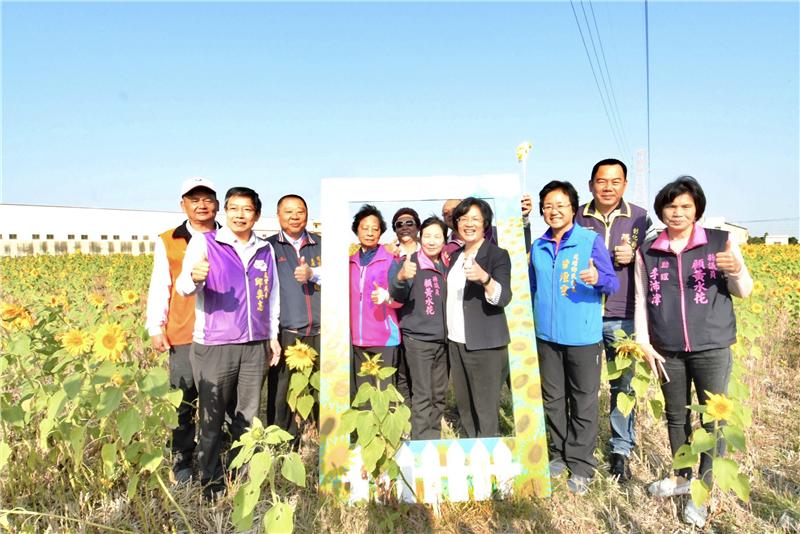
point(623, 227)
point(232, 272)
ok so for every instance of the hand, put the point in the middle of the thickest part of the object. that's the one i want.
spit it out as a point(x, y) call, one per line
point(303, 272)
point(527, 204)
point(275, 349)
point(623, 253)
point(379, 295)
point(474, 272)
point(160, 343)
point(726, 261)
point(408, 271)
point(200, 270)
point(651, 357)
point(589, 276)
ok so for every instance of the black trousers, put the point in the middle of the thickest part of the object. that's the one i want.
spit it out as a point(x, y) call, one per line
point(278, 377)
point(226, 374)
point(358, 355)
point(570, 387)
point(403, 380)
point(710, 371)
point(427, 363)
point(478, 376)
point(180, 377)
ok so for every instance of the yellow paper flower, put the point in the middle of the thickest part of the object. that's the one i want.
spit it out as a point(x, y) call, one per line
point(300, 356)
point(129, 296)
point(522, 150)
point(109, 342)
point(97, 300)
point(76, 342)
point(718, 406)
point(371, 366)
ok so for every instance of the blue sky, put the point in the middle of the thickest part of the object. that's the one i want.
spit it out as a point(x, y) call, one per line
point(113, 104)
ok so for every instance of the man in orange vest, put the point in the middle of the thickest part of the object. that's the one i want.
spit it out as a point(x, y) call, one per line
point(170, 317)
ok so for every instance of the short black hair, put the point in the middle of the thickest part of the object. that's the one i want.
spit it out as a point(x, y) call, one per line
point(565, 187)
point(365, 211)
point(406, 211)
point(244, 192)
point(609, 161)
point(433, 220)
point(291, 195)
point(464, 206)
point(679, 186)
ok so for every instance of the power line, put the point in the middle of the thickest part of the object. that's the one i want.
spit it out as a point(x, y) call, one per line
point(781, 219)
point(615, 106)
point(594, 75)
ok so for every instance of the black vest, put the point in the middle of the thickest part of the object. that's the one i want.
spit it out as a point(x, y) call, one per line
point(688, 304)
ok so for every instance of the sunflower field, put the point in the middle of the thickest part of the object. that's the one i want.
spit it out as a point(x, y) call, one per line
point(86, 412)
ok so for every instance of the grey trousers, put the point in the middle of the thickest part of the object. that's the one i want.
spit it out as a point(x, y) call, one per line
point(181, 377)
point(226, 374)
point(570, 387)
point(478, 376)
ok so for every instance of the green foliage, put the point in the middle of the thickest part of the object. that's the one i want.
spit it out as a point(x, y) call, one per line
point(630, 362)
point(260, 451)
point(380, 419)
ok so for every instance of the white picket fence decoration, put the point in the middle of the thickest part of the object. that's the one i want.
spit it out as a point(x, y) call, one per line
point(458, 469)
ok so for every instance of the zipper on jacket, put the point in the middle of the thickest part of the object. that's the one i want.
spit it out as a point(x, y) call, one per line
point(307, 294)
point(553, 293)
point(688, 346)
point(249, 314)
point(363, 271)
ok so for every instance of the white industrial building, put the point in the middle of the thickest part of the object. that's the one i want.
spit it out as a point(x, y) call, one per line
point(28, 229)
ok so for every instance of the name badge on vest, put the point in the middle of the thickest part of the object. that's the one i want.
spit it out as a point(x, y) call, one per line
point(261, 265)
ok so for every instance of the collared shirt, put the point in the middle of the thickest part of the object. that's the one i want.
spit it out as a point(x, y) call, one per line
point(454, 307)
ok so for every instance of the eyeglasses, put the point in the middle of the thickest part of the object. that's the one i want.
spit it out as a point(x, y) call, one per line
point(244, 210)
point(473, 220)
point(409, 223)
point(557, 207)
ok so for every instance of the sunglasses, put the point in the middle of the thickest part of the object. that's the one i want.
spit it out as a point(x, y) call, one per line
point(400, 224)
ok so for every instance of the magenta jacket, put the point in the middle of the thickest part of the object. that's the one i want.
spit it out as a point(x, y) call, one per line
point(372, 325)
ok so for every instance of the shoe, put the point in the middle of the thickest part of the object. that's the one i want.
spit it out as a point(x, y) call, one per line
point(619, 467)
point(183, 475)
point(578, 484)
point(670, 487)
point(695, 515)
point(557, 466)
point(213, 491)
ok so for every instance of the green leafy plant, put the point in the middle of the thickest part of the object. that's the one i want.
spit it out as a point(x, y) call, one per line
point(630, 361)
point(380, 419)
point(725, 471)
point(259, 450)
point(304, 384)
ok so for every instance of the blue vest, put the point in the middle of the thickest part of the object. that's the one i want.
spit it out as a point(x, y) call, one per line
point(565, 310)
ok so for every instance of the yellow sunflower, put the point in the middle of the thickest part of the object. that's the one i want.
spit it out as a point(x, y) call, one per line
point(718, 406)
point(97, 300)
point(129, 296)
point(117, 379)
point(9, 312)
point(630, 348)
point(757, 308)
point(300, 356)
point(371, 366)
point(109, 342)
point(76, 342)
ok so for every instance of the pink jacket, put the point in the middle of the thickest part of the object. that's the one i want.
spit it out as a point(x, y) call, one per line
point(372, 325)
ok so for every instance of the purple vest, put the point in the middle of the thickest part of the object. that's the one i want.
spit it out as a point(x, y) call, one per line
point(689, 307)
point(236, 302)
point(628, 221)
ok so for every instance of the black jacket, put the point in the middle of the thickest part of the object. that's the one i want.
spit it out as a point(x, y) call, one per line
point(424, 298)
point(300, 303)
point(485, 325)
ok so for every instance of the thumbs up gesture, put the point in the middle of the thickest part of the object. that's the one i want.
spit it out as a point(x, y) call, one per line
point(408, 271)
point(726, 261)
point(623, 252)
point(473, 271)
point(200, 270)
point(379, 295)
point(302, 273)
point(589, 276)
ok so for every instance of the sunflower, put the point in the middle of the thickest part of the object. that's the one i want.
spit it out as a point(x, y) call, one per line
point(371, 366)
point(129, 296)
point(109, 342)
point(97, 300)
point(757, 308)
point(300, 356)
point(9, 312)
point(758, 286)
point(718, 406)
point(117, 379)
point(76, 342)
point(628, 347)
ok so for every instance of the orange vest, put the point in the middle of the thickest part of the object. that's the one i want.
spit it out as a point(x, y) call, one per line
point(180, 316)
